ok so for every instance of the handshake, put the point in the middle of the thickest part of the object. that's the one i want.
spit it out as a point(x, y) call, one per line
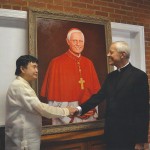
point(76, 112)
point(73, 111)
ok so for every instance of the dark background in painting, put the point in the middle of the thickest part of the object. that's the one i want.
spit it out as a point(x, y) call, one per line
point(51, 42)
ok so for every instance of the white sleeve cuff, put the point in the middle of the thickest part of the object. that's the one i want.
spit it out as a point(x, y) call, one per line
point(79, 109)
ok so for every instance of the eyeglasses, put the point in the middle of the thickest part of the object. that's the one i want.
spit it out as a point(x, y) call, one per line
point(77, 41)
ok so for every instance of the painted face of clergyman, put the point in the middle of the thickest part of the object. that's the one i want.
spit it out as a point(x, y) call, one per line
point(76, 42)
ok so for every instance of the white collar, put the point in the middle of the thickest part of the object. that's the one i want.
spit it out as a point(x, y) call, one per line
point(74, 54)
point(119, 69)
point(22, 79)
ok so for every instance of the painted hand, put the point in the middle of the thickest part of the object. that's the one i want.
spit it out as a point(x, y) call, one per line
point(88, 114)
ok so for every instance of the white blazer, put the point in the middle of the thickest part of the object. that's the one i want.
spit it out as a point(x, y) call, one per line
point(23, 116)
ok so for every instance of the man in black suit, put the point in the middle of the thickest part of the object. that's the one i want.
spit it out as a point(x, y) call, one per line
point(126, 92)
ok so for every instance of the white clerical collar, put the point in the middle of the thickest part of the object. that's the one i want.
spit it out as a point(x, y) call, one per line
point(119, 69)
point(74, 54)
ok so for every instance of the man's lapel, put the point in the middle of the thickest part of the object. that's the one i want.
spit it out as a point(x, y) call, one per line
point(124, 78)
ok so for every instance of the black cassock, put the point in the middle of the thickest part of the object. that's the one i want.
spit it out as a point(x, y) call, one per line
point(127, 106)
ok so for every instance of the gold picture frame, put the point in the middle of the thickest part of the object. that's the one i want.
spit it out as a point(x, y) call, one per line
point(92, 26)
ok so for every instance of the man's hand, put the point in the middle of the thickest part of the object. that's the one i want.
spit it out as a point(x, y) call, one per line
point(72, 111)
point(139, 146)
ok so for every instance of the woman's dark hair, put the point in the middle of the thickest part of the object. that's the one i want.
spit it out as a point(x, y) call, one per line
point(23, 61)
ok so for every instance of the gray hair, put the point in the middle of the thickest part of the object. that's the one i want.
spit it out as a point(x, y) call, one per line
point(122, 46)
point(75, 30)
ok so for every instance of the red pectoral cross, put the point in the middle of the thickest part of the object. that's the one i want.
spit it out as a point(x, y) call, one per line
point(81, 81)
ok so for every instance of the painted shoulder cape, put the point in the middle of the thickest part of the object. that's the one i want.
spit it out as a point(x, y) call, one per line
point(61, 82)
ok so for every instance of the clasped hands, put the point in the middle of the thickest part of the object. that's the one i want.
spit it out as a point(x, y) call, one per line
point(73, 111)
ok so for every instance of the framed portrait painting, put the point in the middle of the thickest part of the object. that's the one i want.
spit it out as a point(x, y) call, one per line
point(47, 40)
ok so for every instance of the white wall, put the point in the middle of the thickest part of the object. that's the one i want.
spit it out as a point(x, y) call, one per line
point(134, 36)
point(13, 43)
